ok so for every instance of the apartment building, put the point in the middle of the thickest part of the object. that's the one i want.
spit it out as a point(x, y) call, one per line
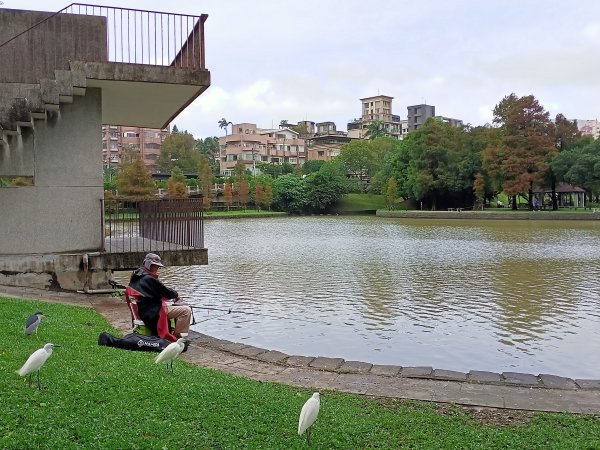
point(251, 145)
point(418, 114)
point(375, 108)
point(326, 142)
point(147, 141)
point(589, 128)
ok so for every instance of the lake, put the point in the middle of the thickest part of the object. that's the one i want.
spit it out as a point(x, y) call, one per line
point(520, 296)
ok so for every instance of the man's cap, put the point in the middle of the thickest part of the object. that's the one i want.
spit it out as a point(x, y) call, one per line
point(152, 259)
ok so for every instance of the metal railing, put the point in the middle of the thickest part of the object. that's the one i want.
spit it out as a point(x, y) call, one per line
point(132, 36)
point(153, 225)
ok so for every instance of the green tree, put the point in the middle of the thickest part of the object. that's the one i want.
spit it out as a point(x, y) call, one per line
point(528, 144)
point(580, 165)
point(312, 166)
point(275, 170)
point(391, 193)
point(134, 180)
point(375, 129)
point(176, 186)
point(358, 158)
point(325, 187)
point(289, 194)
point(566, 134)
point(210, 148)
point(178, 150)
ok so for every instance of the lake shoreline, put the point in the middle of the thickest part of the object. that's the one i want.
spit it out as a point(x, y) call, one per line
point(491, 215)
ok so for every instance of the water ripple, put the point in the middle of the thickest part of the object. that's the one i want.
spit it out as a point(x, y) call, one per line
point(461, 295)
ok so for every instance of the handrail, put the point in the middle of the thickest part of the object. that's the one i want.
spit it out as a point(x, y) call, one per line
point(137, 36)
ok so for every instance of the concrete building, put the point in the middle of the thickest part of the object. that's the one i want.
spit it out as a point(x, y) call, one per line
point(325, 144)
point(147, 141)
point(417, 115)
point(250, 144)
point(69, 73)
point(589, 128)
point(450, 121)
point(375, 108)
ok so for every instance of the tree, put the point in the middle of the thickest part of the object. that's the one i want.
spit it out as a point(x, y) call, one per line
point(176, 187)
point(175, 130)
point(479, 189)
point(205, 178)
point(357, 157)
point(375, 129)
point(223, 124)
point(527, 144)
point(275, 170)
point(243, 193)
point(134, 180)
point(259, 196)
point(325, 187)
point(580, 165)
point(283, 124)
point(289, 194)
point(210, 148)
point(227, 195)
point(312, 165)
point(566, 134)
point(391, 193)
point(178, 150)
point(268, 196)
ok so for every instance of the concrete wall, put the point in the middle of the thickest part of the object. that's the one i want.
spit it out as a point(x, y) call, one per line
point(62, 211)
point(49, 46)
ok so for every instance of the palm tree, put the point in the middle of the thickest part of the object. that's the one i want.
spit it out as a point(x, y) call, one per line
point(223, 124)
point(375, 129)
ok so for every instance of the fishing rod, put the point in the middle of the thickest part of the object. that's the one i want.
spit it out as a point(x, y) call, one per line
point(237, 311)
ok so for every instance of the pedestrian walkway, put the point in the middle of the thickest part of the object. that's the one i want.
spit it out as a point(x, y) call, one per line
point(485, 389)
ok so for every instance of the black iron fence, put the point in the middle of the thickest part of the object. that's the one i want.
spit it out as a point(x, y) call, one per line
point(153, 225)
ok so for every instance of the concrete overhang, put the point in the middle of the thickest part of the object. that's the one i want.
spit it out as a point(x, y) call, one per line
point(143, 95)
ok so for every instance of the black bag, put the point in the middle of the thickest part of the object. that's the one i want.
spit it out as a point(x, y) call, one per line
point(133, 341)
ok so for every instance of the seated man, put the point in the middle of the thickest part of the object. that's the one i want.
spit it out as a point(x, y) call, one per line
point(151, 300)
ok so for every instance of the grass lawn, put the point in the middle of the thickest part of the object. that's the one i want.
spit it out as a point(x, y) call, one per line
point(360, 202)
point(241, 212)
point(100, 397)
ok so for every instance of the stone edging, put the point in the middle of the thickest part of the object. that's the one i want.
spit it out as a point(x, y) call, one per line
point(340, 365)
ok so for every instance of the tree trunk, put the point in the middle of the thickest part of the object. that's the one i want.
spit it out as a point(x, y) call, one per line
point(530, 197)
point(553, 187)
point(514, 202)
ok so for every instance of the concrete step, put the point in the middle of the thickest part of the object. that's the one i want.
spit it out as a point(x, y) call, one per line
point(64, 81)
point(50, 94)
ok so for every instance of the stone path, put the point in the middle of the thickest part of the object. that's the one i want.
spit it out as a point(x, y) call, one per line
point(509, 390)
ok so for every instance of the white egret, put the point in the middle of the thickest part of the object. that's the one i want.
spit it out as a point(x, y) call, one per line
point(33, 323)
point(35, 362)
point(172, 351)
point(308, 415)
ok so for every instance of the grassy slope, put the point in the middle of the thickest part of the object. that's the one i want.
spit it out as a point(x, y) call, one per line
point(360, 202)
point(100, 397)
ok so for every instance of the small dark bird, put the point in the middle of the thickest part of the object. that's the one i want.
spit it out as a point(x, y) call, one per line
point(33, 323)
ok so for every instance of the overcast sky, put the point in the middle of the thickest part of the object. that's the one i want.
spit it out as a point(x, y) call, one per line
point(314, 60)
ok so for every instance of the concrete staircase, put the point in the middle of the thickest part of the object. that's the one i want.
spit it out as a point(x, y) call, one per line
point(21, 103)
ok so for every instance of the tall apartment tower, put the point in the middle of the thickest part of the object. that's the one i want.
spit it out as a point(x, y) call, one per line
point(375, 108)
point(418, 114)
point(147, 141)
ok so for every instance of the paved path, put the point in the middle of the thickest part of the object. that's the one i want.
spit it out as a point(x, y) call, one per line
point(486, 389)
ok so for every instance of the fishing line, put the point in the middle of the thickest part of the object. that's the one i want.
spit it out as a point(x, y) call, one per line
point(229, 311)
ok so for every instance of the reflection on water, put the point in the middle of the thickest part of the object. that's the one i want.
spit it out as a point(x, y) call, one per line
point(452, 294)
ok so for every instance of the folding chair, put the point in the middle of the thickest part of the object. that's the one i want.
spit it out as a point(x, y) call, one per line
point(137, 324)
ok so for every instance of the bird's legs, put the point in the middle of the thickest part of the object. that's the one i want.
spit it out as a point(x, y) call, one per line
point(308, 435)
point(29, 379)
point(38, 378)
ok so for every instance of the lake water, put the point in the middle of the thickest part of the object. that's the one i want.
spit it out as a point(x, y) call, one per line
point(463, 295)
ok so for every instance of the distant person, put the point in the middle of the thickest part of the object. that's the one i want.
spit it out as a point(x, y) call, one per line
point(499, 204)
point(536, 204)
point(152, 307)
